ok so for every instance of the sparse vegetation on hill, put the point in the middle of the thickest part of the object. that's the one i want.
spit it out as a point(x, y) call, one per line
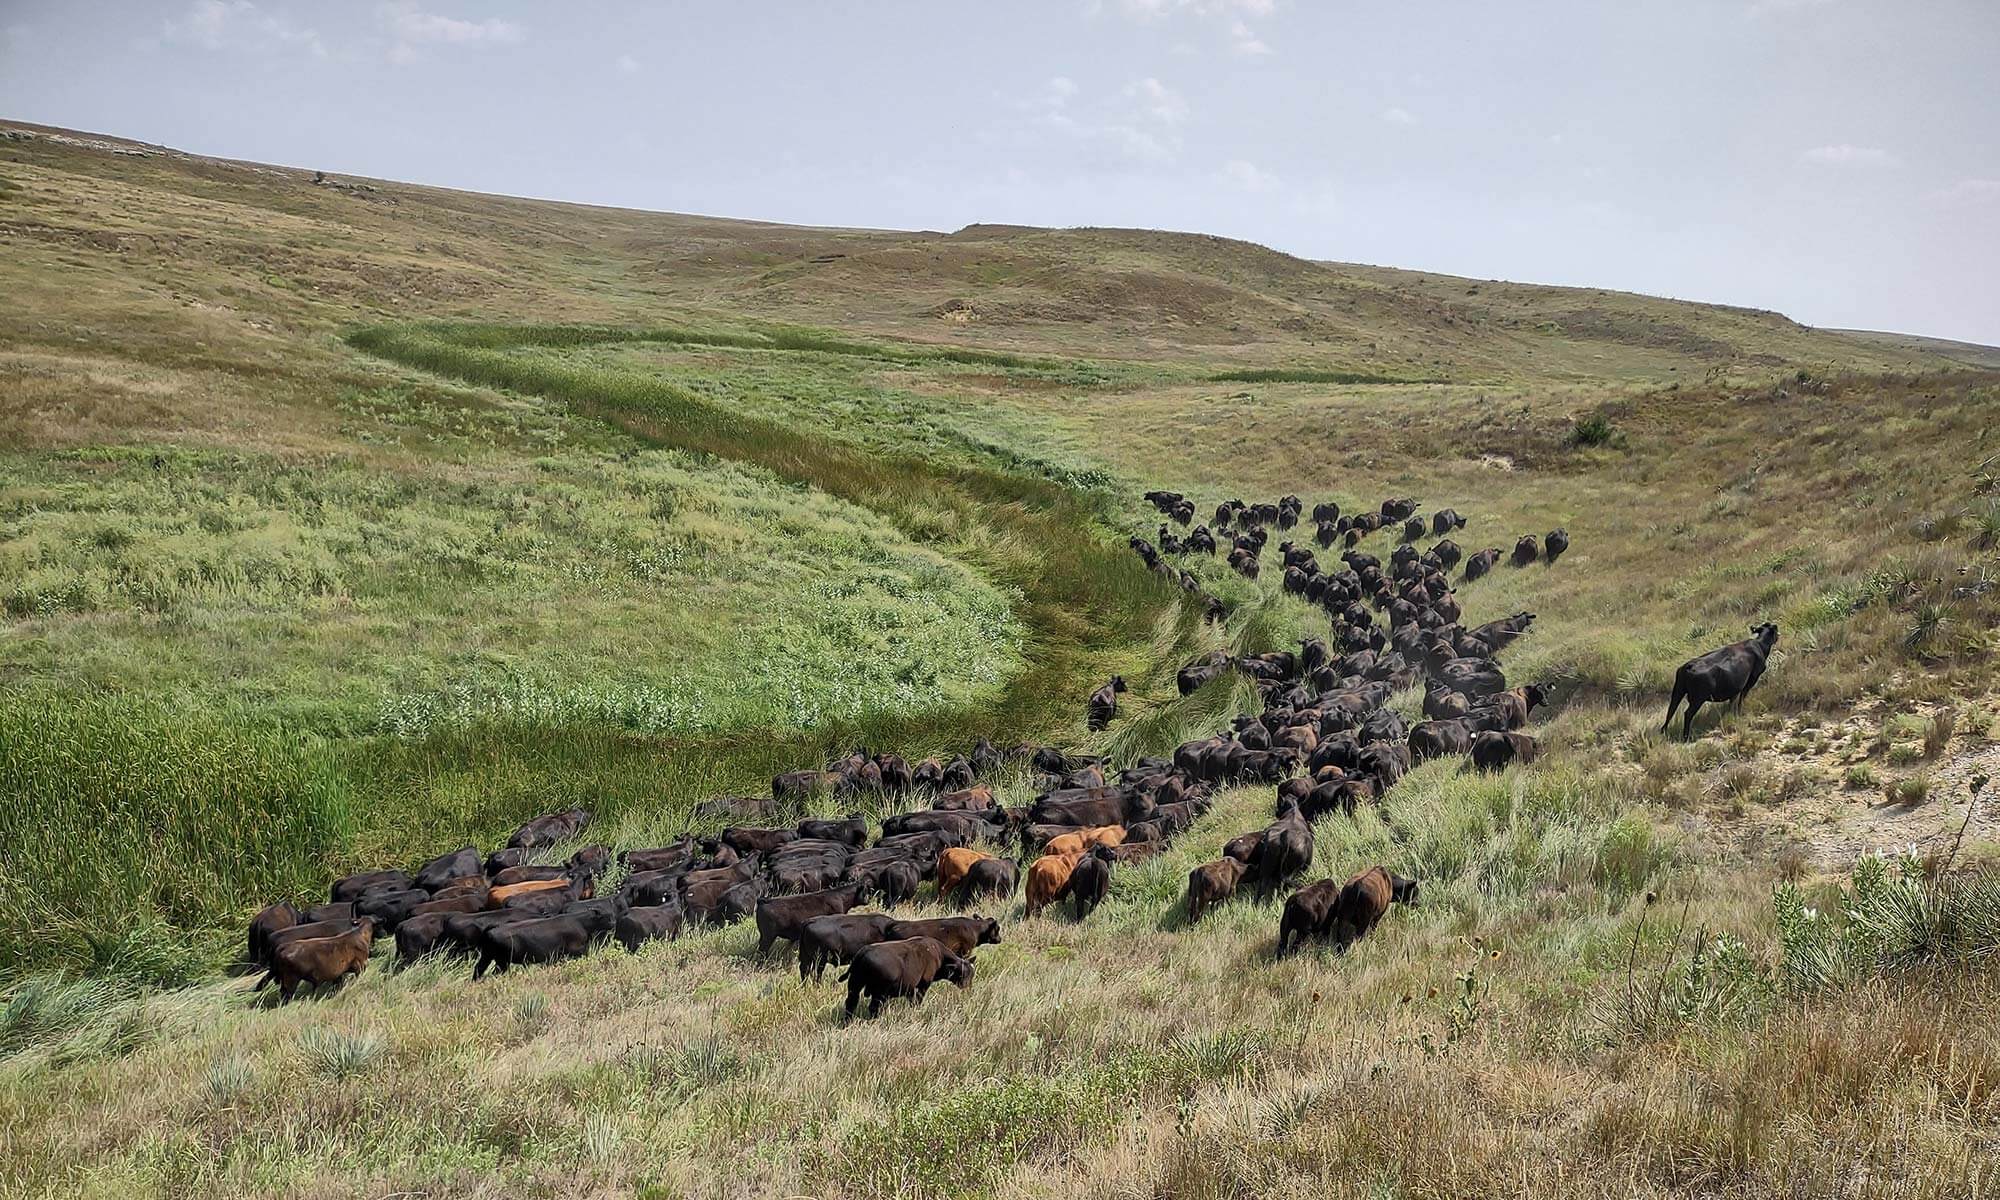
point(341, 527)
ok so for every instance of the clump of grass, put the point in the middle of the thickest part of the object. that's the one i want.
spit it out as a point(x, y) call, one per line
point(601, 1139)
point(1914, 789)
point(1938, 730)
point(338, 1055)
point(43, 1010)
point(1984, 519)
point(531, 1011)
point(1862, 777)
point(1593, 429)
point(228, 1079)
point(1891, 916)
point(1929, 630)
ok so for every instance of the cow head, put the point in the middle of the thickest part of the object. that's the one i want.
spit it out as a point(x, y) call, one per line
point(989, 931)
point(1766, 633)
point(1401, 890)
point(957, 970)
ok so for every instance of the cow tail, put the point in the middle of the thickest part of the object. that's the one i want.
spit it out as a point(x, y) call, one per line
point(1680, 693)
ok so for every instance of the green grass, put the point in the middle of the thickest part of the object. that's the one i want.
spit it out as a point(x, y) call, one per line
point(347, 598)
point(712, 597)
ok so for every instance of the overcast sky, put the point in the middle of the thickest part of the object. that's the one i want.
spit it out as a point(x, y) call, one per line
point(1835, 159)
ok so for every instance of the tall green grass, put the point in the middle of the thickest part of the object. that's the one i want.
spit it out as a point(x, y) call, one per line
point(776, 337)
point(145, 837)
point(135, 834)
point(1081, 595)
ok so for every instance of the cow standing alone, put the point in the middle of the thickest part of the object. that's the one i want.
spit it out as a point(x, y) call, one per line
point(1721, 676)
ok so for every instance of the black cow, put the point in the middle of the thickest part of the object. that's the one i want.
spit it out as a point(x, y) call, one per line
point(989, 877)
point(446, 867)
point(888, 970)
point(351, 887)
point(851, 829)
point(1104, 703)
point(837, 940)
point(1286, 850)
point(1721, 676)
point(1493, 749)
point(781, 918)
point(1554, 545)
point(1438, 739)
point(547, 830)
point(1090, 880)
point(546, 940)
point(268, 921)
point(654, 923)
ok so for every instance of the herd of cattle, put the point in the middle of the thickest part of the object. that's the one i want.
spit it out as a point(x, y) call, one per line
point(1324, 740)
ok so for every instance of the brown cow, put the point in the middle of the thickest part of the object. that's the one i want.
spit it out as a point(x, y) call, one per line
point(501, 895)
point(1212, 883)
point(978, 798)
point(953, 863)
point(1363, 901)
point(960, 935)
point(1083, 839)
point(320, 960)
point(1047, 877)
point(1307, 912)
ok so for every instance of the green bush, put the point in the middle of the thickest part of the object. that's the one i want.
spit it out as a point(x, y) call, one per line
point(1594, 429)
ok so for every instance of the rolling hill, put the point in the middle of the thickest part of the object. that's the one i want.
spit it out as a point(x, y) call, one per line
point(346, 522)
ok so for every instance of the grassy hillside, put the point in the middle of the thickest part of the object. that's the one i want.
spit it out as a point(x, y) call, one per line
point(343, 523)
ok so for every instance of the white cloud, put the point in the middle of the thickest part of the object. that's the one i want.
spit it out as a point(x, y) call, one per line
point(1248, 176)
point(1244, 40)
point(1969, 192)
point(1844, 155)
point(627, 64)
point(242, 26)
point(411, 27)
point(1158, 101)
point(1237, 14)
point(1120, 126)
point(1399, 116)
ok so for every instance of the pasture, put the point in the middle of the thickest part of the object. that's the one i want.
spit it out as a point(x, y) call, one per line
point(347, 533)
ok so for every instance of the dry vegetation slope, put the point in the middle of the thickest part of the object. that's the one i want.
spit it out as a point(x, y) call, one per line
point(1611, 989)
